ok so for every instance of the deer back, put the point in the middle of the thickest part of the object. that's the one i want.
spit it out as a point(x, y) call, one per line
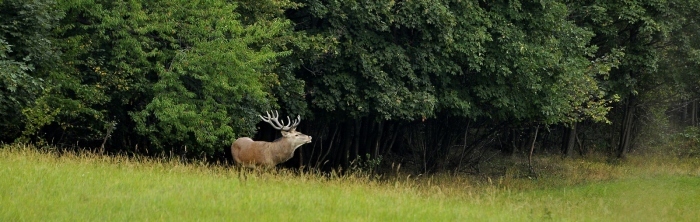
point(251, 153)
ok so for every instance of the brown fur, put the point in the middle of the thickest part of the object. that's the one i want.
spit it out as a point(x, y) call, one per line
point(253, 154)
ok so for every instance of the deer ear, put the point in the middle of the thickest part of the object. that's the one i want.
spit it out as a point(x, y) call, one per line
point(284, 133)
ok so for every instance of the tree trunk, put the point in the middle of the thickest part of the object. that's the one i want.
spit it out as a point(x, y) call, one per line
point(532, 149)
point(627, 124)
point(322, 159)
point(685, 113)
point(569, 141)
point(511, 142)
point(394, 132)
point(694, 113)
point(356, 139)
point(346, 145)
point(378, 140)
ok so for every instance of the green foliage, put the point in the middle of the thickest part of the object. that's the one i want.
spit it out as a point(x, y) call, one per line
point(175, 73)
point(692, 134)
point(26, 26)
point(657, 38)
point(540, 66)
point(96, 73)
point(642, 29)
point(410, 60)
point(17, 88)
point(219, 78)
point(37, 116)
point(687, 143)
point(367, 69)
point(367, 166)
point(681, 58)
point(180, 73)
point(26, 56)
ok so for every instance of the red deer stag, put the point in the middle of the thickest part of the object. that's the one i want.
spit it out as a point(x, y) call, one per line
point(253, 154)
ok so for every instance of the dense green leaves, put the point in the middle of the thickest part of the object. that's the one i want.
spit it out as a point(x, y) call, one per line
point(645, 30)
point(215, 81)
point(176, 73)
point(26, 49)
point(503, 60)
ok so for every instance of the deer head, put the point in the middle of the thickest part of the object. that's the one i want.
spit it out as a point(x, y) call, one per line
point(251, 153)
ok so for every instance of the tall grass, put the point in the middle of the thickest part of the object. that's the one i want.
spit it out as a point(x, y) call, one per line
point(43, 185)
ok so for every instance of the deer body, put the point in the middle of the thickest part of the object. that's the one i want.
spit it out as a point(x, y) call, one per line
point(250, 153)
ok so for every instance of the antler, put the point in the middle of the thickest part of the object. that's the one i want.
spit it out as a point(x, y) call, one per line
point(272, 120)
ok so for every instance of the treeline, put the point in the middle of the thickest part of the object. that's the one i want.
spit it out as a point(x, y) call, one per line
point(432, 84)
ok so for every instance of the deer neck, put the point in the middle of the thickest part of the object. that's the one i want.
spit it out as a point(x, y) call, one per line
point(283, 149)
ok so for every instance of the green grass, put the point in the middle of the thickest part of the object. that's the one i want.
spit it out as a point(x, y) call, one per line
point(40, 186)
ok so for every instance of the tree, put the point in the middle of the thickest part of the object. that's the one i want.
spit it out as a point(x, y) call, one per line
point(217, 82)
point(180, 73)
point(507, 61)
point(27, 54)
point(643, 30)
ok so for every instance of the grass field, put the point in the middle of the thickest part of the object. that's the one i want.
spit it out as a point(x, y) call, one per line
point(41, 186)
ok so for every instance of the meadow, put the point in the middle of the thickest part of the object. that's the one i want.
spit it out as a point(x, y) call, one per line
point(48, 185)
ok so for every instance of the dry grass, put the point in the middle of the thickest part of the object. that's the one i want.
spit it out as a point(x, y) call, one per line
point(41, 185)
